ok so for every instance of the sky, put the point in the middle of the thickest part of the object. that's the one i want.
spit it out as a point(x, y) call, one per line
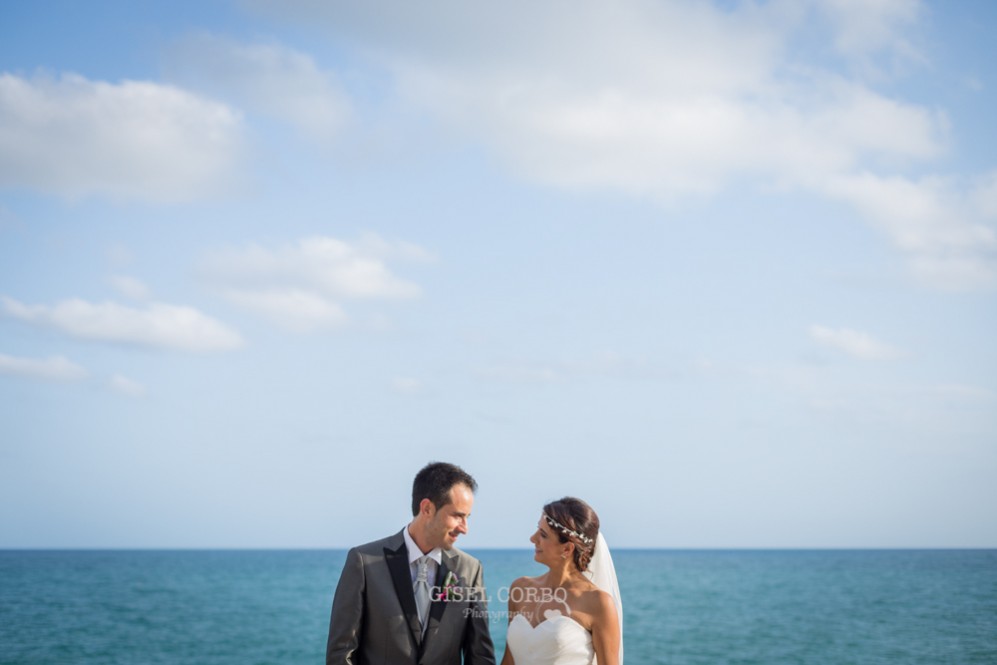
point(725, 270)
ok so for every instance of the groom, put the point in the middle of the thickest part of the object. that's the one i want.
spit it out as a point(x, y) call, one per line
point(413, 597)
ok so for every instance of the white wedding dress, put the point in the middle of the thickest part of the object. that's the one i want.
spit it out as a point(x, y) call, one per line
point(558, 639)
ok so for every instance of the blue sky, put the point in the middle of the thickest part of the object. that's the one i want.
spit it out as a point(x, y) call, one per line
point(725, 270)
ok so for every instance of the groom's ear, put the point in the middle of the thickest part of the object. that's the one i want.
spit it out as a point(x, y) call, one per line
point(427, 507)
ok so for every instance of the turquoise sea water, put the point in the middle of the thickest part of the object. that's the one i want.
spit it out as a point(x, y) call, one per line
point(680, 607)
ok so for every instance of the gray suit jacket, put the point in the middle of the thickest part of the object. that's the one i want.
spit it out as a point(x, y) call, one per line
point(374, 620)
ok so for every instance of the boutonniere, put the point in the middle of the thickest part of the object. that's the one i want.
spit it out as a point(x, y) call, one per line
point(450, 590)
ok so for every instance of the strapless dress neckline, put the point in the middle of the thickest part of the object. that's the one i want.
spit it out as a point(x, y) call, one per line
point(557, 640)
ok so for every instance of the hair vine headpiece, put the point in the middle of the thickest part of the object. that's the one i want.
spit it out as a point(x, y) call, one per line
point(566, 531)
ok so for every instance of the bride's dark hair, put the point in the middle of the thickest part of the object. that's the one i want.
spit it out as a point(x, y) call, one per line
point(576, 516)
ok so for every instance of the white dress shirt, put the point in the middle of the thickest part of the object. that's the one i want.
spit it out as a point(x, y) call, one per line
point(414, 554)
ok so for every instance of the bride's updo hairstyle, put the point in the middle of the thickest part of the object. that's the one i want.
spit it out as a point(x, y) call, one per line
point(574, 521)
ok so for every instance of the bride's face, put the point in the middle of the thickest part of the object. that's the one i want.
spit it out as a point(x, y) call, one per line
point(547, 547)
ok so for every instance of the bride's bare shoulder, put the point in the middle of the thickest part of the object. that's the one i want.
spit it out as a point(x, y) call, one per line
point(599, 603)
point(525, 582)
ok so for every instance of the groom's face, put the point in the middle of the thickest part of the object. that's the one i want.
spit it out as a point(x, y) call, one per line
point(450, 521)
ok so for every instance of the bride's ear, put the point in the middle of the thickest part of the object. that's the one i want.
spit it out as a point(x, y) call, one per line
point(569, 550)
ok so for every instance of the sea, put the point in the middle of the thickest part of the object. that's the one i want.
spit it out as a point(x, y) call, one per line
point(683, 607)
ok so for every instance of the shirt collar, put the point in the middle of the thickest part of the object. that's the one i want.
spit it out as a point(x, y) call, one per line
point(436, 554)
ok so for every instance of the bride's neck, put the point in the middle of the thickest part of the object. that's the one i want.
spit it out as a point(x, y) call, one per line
point(562, 575)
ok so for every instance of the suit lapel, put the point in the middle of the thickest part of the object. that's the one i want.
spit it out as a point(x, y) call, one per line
point(397, 561)
point(447, 563)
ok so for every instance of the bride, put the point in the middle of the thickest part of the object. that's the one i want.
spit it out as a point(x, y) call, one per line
point(572, 614)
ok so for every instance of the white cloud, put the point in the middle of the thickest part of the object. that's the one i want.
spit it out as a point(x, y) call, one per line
point(157, 325)
point(961, 393)
point(406, 385)
point(659, 146)
point(302, 285)
point(946, 229)
point(328, 265)
point(130, 287)
point(863, 27)
point(293, 309)
point(270, 78)
point(984, 196)
point(700, 95)
point(133, 140)
point(125, 386)
point(55, 368)
point(373, 245)
point(855, 343)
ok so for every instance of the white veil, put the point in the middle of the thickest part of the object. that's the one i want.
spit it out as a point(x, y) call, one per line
point(602, 573)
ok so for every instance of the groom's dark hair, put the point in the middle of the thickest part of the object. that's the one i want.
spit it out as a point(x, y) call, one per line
point(434, 482)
